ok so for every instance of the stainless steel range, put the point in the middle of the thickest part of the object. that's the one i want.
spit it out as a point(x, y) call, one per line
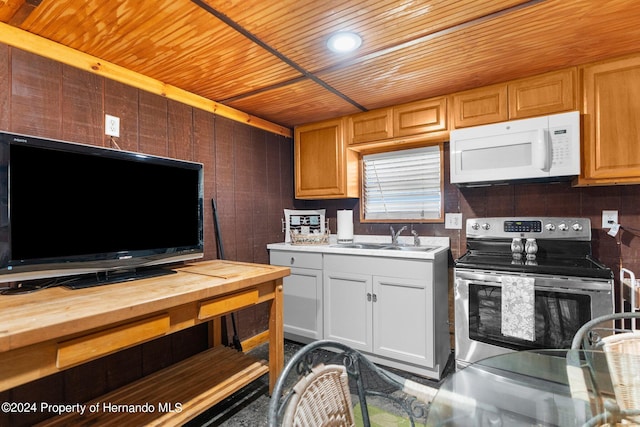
point(526, 283)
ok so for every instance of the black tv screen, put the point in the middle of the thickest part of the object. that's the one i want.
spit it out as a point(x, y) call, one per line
point(69, 209)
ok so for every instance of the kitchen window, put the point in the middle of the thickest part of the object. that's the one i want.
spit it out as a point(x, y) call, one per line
point(403, 186)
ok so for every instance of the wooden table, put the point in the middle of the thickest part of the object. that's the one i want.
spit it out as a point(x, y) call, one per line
point(54, 329)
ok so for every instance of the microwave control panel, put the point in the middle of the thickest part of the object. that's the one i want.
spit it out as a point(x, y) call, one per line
point(561, 150)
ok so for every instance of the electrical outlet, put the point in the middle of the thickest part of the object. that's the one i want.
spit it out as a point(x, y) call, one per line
point(453, 221)
point(111, 125)
point(609, 218)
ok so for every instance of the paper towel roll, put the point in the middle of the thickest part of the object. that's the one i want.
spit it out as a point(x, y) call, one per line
point(345, 226)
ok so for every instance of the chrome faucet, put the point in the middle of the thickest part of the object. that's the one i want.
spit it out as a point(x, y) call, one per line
point(416, 238)
point(394, 235)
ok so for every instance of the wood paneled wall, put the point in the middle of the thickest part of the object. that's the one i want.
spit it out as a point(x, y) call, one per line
point(247, 170)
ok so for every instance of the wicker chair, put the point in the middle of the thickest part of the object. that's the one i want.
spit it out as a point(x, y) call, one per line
point(623, 358)
point(622, 350)
point(323, 380)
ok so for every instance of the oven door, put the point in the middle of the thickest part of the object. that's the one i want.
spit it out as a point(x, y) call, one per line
point(562, 305)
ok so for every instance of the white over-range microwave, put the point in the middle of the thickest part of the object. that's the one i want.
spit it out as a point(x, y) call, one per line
point(535, 149)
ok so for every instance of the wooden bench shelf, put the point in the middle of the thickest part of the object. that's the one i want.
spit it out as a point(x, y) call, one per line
point(173, 395)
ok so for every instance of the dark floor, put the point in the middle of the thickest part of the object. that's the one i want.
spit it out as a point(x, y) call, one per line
point(249, 406)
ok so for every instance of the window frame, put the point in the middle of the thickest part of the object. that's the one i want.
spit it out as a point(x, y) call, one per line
point(439, 219)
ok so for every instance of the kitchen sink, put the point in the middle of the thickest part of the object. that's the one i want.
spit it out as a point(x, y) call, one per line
point(411, 248)
point(361, 245)
point(384, 246)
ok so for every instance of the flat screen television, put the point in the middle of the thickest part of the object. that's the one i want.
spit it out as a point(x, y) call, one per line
point(94, 214)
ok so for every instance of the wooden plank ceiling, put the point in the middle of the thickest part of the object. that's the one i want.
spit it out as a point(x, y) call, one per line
point(268, 57)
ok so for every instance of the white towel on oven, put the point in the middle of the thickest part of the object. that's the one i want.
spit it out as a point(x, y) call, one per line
point(518, 307)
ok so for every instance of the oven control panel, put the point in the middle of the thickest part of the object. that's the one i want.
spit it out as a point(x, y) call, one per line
point(528, 227)
point(511, 226)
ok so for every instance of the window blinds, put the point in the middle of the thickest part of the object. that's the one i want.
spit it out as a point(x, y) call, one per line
point(404, 185)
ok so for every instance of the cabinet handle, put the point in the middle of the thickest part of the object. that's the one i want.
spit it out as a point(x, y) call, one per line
point(368, 296)
point(375, 298)
point(293, 260)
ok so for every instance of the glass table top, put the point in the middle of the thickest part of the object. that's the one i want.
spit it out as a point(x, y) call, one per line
point(530, 388)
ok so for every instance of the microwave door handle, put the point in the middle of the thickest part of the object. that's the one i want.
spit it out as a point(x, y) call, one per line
point(540, 151)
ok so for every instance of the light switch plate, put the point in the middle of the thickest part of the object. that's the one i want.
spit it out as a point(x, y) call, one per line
point(453, 221)
point(609, 218)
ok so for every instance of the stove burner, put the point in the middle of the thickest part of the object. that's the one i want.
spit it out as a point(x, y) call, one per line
point(500, 244)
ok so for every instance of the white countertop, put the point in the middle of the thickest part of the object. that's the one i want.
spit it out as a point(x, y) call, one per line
point(441, 244)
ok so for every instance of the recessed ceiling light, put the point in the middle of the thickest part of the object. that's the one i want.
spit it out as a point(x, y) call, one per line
point(344, 42)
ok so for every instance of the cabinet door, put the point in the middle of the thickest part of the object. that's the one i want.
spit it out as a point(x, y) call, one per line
point(348, 309)
point(549, 93)
point(302, 294)
point(370, 126)
point(611, 132)
point(480, 106)
point(420, 117)
point(402, 320)
point(323, 167)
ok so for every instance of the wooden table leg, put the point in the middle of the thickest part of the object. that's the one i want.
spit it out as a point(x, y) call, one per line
point(215, 332)
point(276, 336)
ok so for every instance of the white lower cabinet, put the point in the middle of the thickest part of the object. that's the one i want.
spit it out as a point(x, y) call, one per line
point(302, 292)
point(395, 310)
point(402, 323)
point(386, 308)
point(348, 301)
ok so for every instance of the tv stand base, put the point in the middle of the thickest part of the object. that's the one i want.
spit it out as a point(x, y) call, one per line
point(49, 331)
point(110, 277)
